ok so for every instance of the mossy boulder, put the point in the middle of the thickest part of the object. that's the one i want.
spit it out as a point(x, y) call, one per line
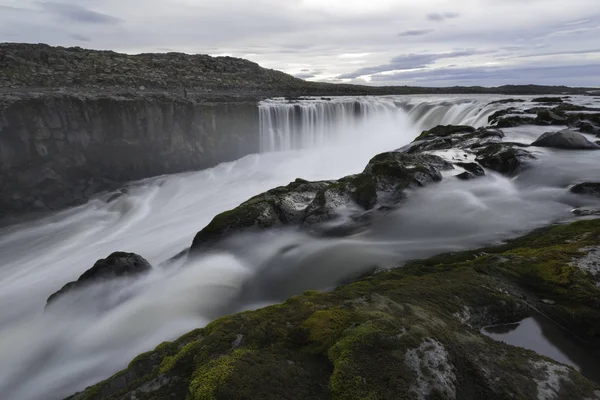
point(408, 333)
point(117, 265)
point(307, 204)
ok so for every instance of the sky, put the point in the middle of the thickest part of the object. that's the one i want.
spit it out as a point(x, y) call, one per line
point(375, 42)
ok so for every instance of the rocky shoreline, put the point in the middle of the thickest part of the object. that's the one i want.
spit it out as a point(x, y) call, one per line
point(411, 332)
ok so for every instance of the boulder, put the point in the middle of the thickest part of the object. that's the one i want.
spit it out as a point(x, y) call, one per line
point(514, 120)
point(117, 265)
point(472, 167)
point(306, 204)
point(587, 188)
point(505, 158)
point(449, 137)
point(565, 139)
point(548, 100)
point(445, 130)
point(548, 117)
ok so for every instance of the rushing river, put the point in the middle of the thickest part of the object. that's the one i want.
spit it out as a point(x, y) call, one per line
point(97, 332)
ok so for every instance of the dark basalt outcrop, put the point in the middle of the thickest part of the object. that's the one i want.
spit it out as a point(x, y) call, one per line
point(548, 100)
point(453, 137)
point(408, 333)
point(117, 265)
point(484, 143)
point(505, 158)
point(307, 204)
point(587, 188)
point(565, 139)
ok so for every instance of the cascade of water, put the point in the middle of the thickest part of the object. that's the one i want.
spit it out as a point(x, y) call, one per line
point(313, 123)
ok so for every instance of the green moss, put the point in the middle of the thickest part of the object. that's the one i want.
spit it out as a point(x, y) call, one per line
point(326, 325)
point(209, 377)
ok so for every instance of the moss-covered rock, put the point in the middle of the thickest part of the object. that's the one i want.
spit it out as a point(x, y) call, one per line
point(409, 333)
point(306, 204)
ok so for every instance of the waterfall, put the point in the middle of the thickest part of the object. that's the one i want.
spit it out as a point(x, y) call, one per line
point(315, 122)
point(312, 123)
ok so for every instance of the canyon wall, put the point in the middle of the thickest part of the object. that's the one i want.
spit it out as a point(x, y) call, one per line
point(58, 149)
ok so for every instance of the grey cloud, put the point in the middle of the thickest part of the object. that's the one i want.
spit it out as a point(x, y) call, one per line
point(409, 61)
point(80, 38)
point(78, 13)
point(579, 75)
point(416, 32)
point(305, 75)
point(442, 16)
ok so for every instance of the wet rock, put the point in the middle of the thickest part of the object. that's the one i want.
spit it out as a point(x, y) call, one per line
point(585, 211)
point(548, 100)
point(505, 158)
point(565, 139)
point(514, 120)
point(506, 101)
point(548, 117)
point(306, 204)
point(472, 167)
point(466, 176)
point(117, 265)
point(587, 188)
point(453, 137)
point(445, 130)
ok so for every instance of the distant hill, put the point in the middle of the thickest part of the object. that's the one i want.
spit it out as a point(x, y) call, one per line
point(39, 66)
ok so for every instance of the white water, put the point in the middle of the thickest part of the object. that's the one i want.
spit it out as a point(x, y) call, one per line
point(94, 333)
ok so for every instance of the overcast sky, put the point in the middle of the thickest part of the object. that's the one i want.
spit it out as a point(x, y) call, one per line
point(383, 42)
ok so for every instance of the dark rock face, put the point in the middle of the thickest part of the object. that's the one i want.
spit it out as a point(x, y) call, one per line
point(308, 204)
point(548, 100)
point(58, 150)
point(587, 188)
point(445, 130)
point(473, 168)
point(505, 158)
point(453, 137)
point(117, 265)
point(565, 139)
point(548, 117)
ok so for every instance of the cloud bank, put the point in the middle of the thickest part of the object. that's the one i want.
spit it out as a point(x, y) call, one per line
point(484, 42)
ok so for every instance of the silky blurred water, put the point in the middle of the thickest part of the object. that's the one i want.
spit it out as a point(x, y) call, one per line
point(90, 335)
